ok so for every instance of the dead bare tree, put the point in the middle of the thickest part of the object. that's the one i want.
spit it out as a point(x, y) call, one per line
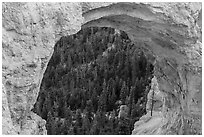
point(152, 102)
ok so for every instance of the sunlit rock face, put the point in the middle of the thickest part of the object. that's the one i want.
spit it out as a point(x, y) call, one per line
point(171, 32)
point(30, 31)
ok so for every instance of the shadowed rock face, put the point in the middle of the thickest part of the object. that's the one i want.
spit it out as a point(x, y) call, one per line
point(169, 31)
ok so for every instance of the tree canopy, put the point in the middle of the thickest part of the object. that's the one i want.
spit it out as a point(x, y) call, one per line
point(88, 77)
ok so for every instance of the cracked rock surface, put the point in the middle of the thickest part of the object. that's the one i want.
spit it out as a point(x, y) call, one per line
point(169, 31)
point(30, 31)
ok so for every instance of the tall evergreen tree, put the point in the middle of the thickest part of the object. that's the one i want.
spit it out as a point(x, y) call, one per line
point(123, 93)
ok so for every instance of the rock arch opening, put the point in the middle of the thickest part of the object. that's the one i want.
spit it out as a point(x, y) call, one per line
point(96, 82)
point(172, 31)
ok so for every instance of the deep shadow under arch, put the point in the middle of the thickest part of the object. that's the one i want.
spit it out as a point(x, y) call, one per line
point(89, 76)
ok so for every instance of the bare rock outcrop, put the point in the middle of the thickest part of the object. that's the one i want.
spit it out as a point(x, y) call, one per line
point(30, 31)
point(123, 113)
point(171, 32)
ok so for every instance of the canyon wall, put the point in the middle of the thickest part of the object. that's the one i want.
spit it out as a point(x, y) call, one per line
point(171, 32)
point(30, 31)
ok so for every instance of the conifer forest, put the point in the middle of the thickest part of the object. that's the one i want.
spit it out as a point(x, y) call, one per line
point(89, 78)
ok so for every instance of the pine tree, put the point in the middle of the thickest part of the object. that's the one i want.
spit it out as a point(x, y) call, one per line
point(103, 97)
point(78, 123)
point(123, 126)
point(131, 98)
point(94, 128)
point(89, 110)
point(113, 98)
point(102, 101)
point(123, 92)
point(49, 123)
point(133, 111)
point(86, 123)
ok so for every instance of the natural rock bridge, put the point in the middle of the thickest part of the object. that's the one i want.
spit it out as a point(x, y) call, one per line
point(171, 32)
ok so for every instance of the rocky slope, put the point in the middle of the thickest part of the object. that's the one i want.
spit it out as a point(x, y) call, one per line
point(171, 32)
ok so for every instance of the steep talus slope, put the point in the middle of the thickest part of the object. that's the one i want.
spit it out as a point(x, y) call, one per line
point(169, 31)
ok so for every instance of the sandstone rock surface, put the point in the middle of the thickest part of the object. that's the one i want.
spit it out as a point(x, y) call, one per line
point(171, 32)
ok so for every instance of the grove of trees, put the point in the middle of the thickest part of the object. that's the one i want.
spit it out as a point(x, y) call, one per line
point(88, 77)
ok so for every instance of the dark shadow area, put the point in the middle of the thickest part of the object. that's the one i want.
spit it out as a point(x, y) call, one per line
point(96, 82)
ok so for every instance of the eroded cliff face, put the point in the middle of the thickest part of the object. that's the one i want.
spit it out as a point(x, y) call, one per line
point(172, 33)
point(30, 31)
point(169, 31)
